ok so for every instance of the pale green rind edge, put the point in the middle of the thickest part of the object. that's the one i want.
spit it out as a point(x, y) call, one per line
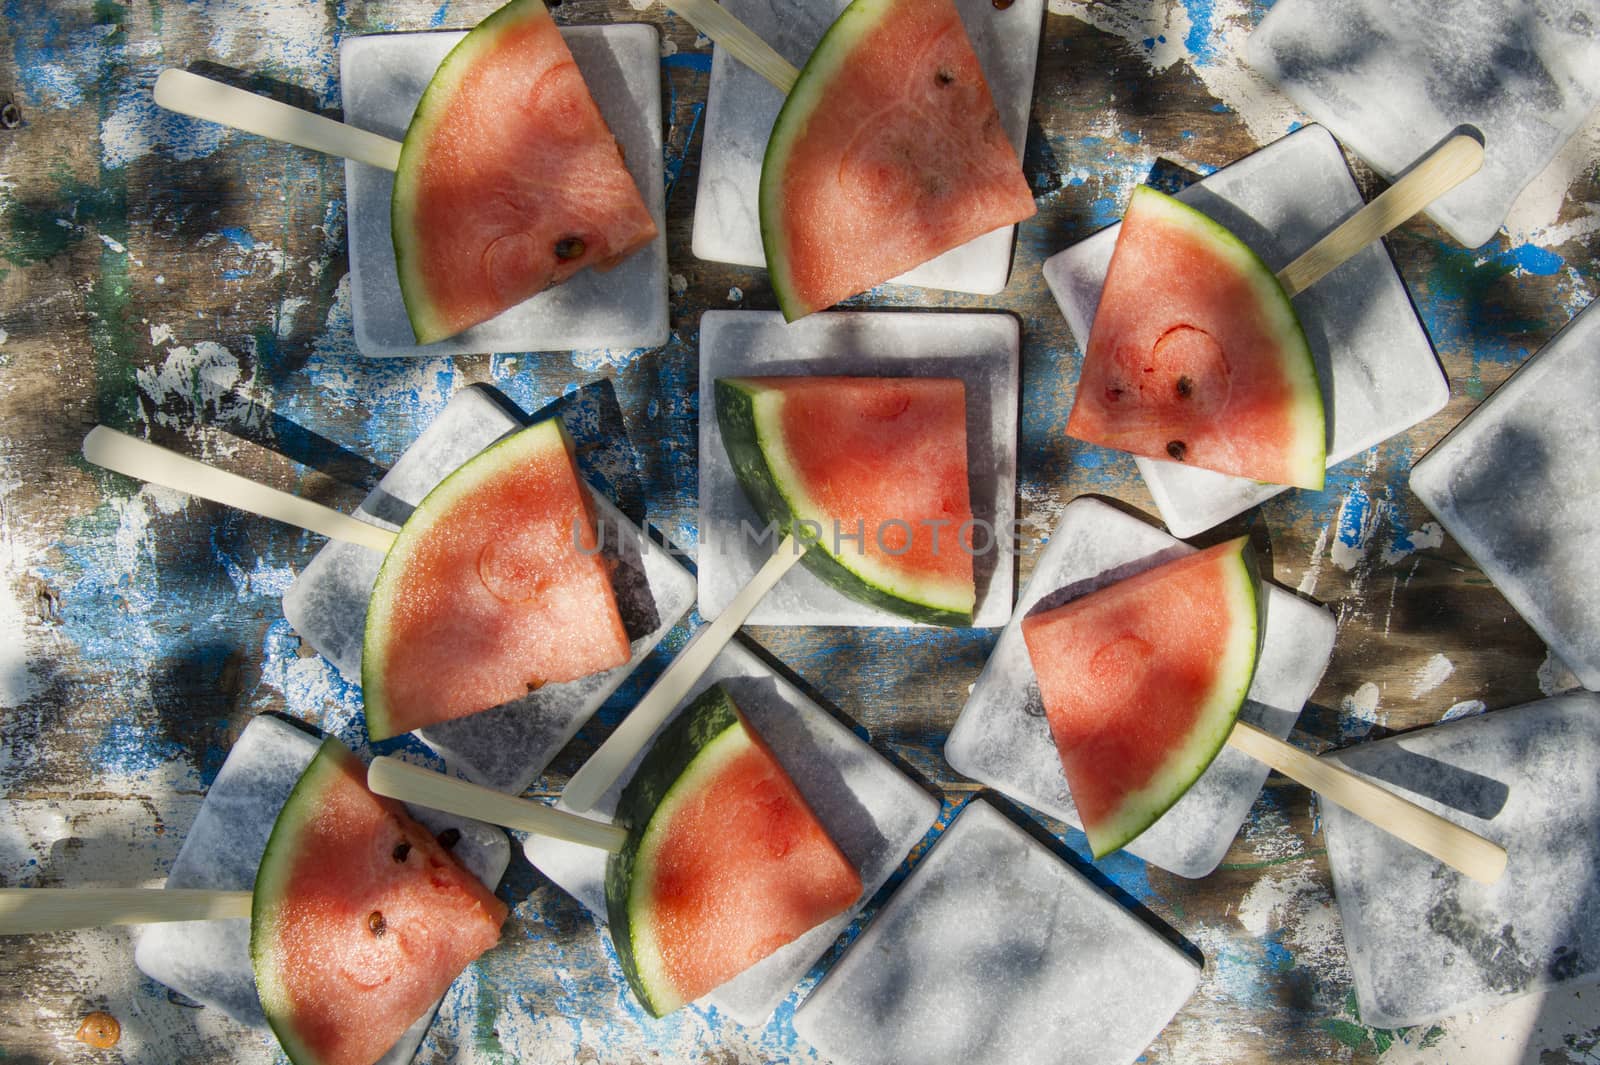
point(697, 743)
point(1309, 415)
point(272, 877)
point(1246, 601)
point(479, 41)
point(748, 436)
point(471, 475)
point(826, 60)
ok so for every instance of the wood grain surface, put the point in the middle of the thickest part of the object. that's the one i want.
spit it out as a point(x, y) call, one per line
point(190, 285)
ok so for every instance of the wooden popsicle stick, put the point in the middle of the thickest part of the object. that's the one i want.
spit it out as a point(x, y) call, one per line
point(1458, 159)
point(1463, 850)
point(27, 910)
point(149, 462)
point(198, 97)
point(414, 784)
point(716, 22)
point(607, 764)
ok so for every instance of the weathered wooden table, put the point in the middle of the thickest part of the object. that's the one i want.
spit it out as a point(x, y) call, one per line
point(191, 285)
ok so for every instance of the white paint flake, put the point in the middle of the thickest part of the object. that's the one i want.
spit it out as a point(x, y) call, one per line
point(1359, 712)
point(1430, 535)
point(18, 683)
point(199, 377)
point(1433, 673)
point(1465, 708)
point(1308, 582)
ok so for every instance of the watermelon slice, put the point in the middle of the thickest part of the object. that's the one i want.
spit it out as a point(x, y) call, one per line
point(879, 467)
point(494, 587)
point(724, 861)
point(1196, 356)
point(509, 179)
point(1142, 681)
point(360, 918)
point(888, 152)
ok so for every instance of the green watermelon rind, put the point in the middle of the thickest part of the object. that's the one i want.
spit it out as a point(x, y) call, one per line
point(480, 41)
point(827, 59)
point(471, 475)
point(1309, 413)
point(752, 454)
point(327, 769)
point(1246, 603)
point(704, 737)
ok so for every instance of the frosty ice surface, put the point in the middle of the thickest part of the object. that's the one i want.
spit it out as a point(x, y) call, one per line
point(996, 952)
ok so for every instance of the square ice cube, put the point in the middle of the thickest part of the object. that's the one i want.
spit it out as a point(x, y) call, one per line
point(1393, 78)
point(1378, 371)
point(382, 77)
point(506, 747)
point(741, 107)
point(1517, 485)
point(873, 812)
point(1003, 739)
point(209, 961)
point(980, 349)
point(1426, 942)
point(996, 952)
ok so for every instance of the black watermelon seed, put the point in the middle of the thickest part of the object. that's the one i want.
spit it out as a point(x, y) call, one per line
point(1185, 387)
point(1177, 449)
point(449, 838)
point(569, 248)
point(401, 851)
point(376, 924)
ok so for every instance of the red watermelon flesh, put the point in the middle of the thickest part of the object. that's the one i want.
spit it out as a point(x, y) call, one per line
point(361, 919)
point(882, 460)
point(509, 179)
point(494, 587)
point(724, 864)
point(887, 153)
point(1142, 681)
point(1196, 355)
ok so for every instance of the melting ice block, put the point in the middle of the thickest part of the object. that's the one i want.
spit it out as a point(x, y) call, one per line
point(871, 810)
point(996, 951)
point(1426, 942)
point(382, 77)
point(980, 349)
point(1377, 368)
point(1002, 737)
point(209, 961)
point(506, 747)
point(742, 106)
point(1517, 485)
point(1393, 78)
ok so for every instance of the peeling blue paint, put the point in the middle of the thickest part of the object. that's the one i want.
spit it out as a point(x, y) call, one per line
point(132, 747)
point(240, 238)
point(1353, 516)
point(1200, 43)
point(1532, 259)
point(700, 61)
